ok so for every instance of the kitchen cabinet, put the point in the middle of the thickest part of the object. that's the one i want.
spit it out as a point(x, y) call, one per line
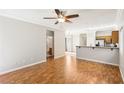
point(107, 39)
point(115, 37)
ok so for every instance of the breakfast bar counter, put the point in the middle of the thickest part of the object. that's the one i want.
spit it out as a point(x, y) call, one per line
point(107, 55)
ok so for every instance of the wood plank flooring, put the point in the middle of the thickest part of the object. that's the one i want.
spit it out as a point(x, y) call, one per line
point(65, 70)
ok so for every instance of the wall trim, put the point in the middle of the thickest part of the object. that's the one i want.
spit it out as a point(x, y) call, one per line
point(59, 56)
point(21, 67)
point(98, 61)
point(70, 53)
point(121, 74)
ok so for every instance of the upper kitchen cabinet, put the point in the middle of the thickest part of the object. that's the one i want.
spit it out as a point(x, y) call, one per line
point(107, 39)
point(105, 36)
point(115, 37)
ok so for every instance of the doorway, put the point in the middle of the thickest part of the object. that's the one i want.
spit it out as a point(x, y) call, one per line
point(50, 44)
point(69, 44)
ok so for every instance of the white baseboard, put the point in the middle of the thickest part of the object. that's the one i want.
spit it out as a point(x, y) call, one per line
point(59, 56)
point(121, 74)
point(18, 68)
point(98, 61)
point(70, 53)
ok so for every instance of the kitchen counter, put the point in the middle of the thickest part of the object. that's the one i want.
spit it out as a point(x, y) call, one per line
point(108, 55)
point(99, 47)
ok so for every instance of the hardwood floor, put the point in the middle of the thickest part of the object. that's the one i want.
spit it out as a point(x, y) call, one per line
point(67, 70)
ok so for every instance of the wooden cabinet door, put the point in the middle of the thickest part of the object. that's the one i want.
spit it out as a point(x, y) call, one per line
point(115, 37)
point(108, 39)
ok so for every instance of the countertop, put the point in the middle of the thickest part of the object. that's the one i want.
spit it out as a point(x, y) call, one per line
point(98, 47)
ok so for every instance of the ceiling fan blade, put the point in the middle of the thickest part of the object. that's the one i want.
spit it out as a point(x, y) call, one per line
point(56, 22)
point(57, 12)
point(63, 13)
point(49, 18)
point(68, 21)
point(72, 16)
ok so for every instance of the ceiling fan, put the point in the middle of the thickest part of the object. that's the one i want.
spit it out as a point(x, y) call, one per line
point(61, 17)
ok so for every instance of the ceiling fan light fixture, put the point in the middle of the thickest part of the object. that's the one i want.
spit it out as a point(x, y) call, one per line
point(61, 20)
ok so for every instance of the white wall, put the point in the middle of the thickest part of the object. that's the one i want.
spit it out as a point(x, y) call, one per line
point(59, 43)
point(1, 47)
point(104, 33)
point(91, 38)
point(23, 43)
point(83, 39)
point(121, 39)
point(75, 41)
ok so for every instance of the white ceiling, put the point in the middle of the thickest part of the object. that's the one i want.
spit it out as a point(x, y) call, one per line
point(88, 18)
